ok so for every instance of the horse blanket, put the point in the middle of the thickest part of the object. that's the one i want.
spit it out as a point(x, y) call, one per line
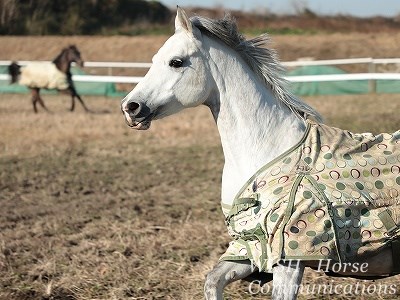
point(43, 75)
point(334, 195)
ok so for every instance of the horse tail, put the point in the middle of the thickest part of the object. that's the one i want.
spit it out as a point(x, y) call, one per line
point(14, 71)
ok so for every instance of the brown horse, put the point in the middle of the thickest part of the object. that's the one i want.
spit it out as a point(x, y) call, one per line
point(49, 75)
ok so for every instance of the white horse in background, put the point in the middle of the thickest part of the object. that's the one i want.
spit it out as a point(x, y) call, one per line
point(208, 62)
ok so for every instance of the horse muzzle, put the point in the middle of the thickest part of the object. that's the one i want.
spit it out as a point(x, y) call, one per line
point(137, 115)
point(80, 63)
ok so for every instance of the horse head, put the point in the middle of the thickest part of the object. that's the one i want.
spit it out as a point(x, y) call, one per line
point(179, 78)
point(74, 55)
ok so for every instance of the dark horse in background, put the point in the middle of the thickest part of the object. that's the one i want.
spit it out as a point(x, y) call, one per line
point(49, 75)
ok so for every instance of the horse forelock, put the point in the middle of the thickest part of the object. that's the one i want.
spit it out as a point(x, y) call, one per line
point(262, 60)
point(74, 48)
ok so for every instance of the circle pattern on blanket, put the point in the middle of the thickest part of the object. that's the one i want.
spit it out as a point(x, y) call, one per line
point(311, 233)
point(334, 175)
point(379, 184)
point(293, 245)
point(274, 217)
point(325, 251)
point(359, 186)
point(307, 150)
point(340, 186)
point(308, 160)
point(362, 162)
point(287, 160)
point(330, 165)
point(395, 169)
point(325, 148)
point(278, 190)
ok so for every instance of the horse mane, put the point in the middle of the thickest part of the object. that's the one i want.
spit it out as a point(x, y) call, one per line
point(60, 61)
point(261, 59)
point(58, 58)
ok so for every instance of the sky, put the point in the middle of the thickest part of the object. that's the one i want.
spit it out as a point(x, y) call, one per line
point(360, 8)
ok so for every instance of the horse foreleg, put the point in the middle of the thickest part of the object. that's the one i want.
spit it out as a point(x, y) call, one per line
point(224, 273)
point(83, 103)
point(74, 94)
point(35, 96)
point(42, 103)
point(287, 279)
point(34, 100)
point(72, 103)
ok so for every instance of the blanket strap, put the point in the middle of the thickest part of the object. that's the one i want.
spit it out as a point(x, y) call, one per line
point(395, 256)
point(242, 204)
point(289, 211)
point(387, 221)
point(391, 228)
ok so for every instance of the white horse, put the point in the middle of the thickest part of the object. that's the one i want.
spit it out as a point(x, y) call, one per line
point(208, 62)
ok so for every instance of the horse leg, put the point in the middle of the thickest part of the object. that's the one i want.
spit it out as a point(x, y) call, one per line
point(72, 102)
point(287, 280)
point(35, 94)
point(40, 100)
point(83, 104)
point(75, 94)
point(42, 104)
point(224, 273)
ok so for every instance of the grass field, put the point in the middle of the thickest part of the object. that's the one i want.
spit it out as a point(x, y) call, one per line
point(93, 210)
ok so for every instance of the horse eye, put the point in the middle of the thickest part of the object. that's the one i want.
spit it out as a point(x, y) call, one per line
point(176, 63)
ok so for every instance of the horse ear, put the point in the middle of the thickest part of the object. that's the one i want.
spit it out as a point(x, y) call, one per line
point(182, 21)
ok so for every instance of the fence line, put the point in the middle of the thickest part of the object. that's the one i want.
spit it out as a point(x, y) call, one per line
point(346, 61)
point(372, 76)
point(303, 78)
point(93, 64)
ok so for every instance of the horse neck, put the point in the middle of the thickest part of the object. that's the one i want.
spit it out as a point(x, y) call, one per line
point(254, 127)
point(62, 62)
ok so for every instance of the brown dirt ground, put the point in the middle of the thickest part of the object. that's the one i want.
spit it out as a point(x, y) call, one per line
point(93, 210)
point(142, 48)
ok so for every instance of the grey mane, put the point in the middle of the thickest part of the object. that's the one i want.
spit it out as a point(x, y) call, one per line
point(262, 60)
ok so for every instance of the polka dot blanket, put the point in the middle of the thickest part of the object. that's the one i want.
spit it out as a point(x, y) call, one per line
point(334, 195)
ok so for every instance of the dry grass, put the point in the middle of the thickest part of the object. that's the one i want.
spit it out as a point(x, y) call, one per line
point(93, 210)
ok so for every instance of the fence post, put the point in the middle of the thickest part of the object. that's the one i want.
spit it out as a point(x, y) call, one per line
point(372, 82)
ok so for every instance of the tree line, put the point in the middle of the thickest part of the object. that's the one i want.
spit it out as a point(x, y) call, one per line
point(78, 17)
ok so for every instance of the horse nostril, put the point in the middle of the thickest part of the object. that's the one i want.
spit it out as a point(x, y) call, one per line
point(132, 106)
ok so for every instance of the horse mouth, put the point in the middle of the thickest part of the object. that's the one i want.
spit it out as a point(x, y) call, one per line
point(139, 125)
